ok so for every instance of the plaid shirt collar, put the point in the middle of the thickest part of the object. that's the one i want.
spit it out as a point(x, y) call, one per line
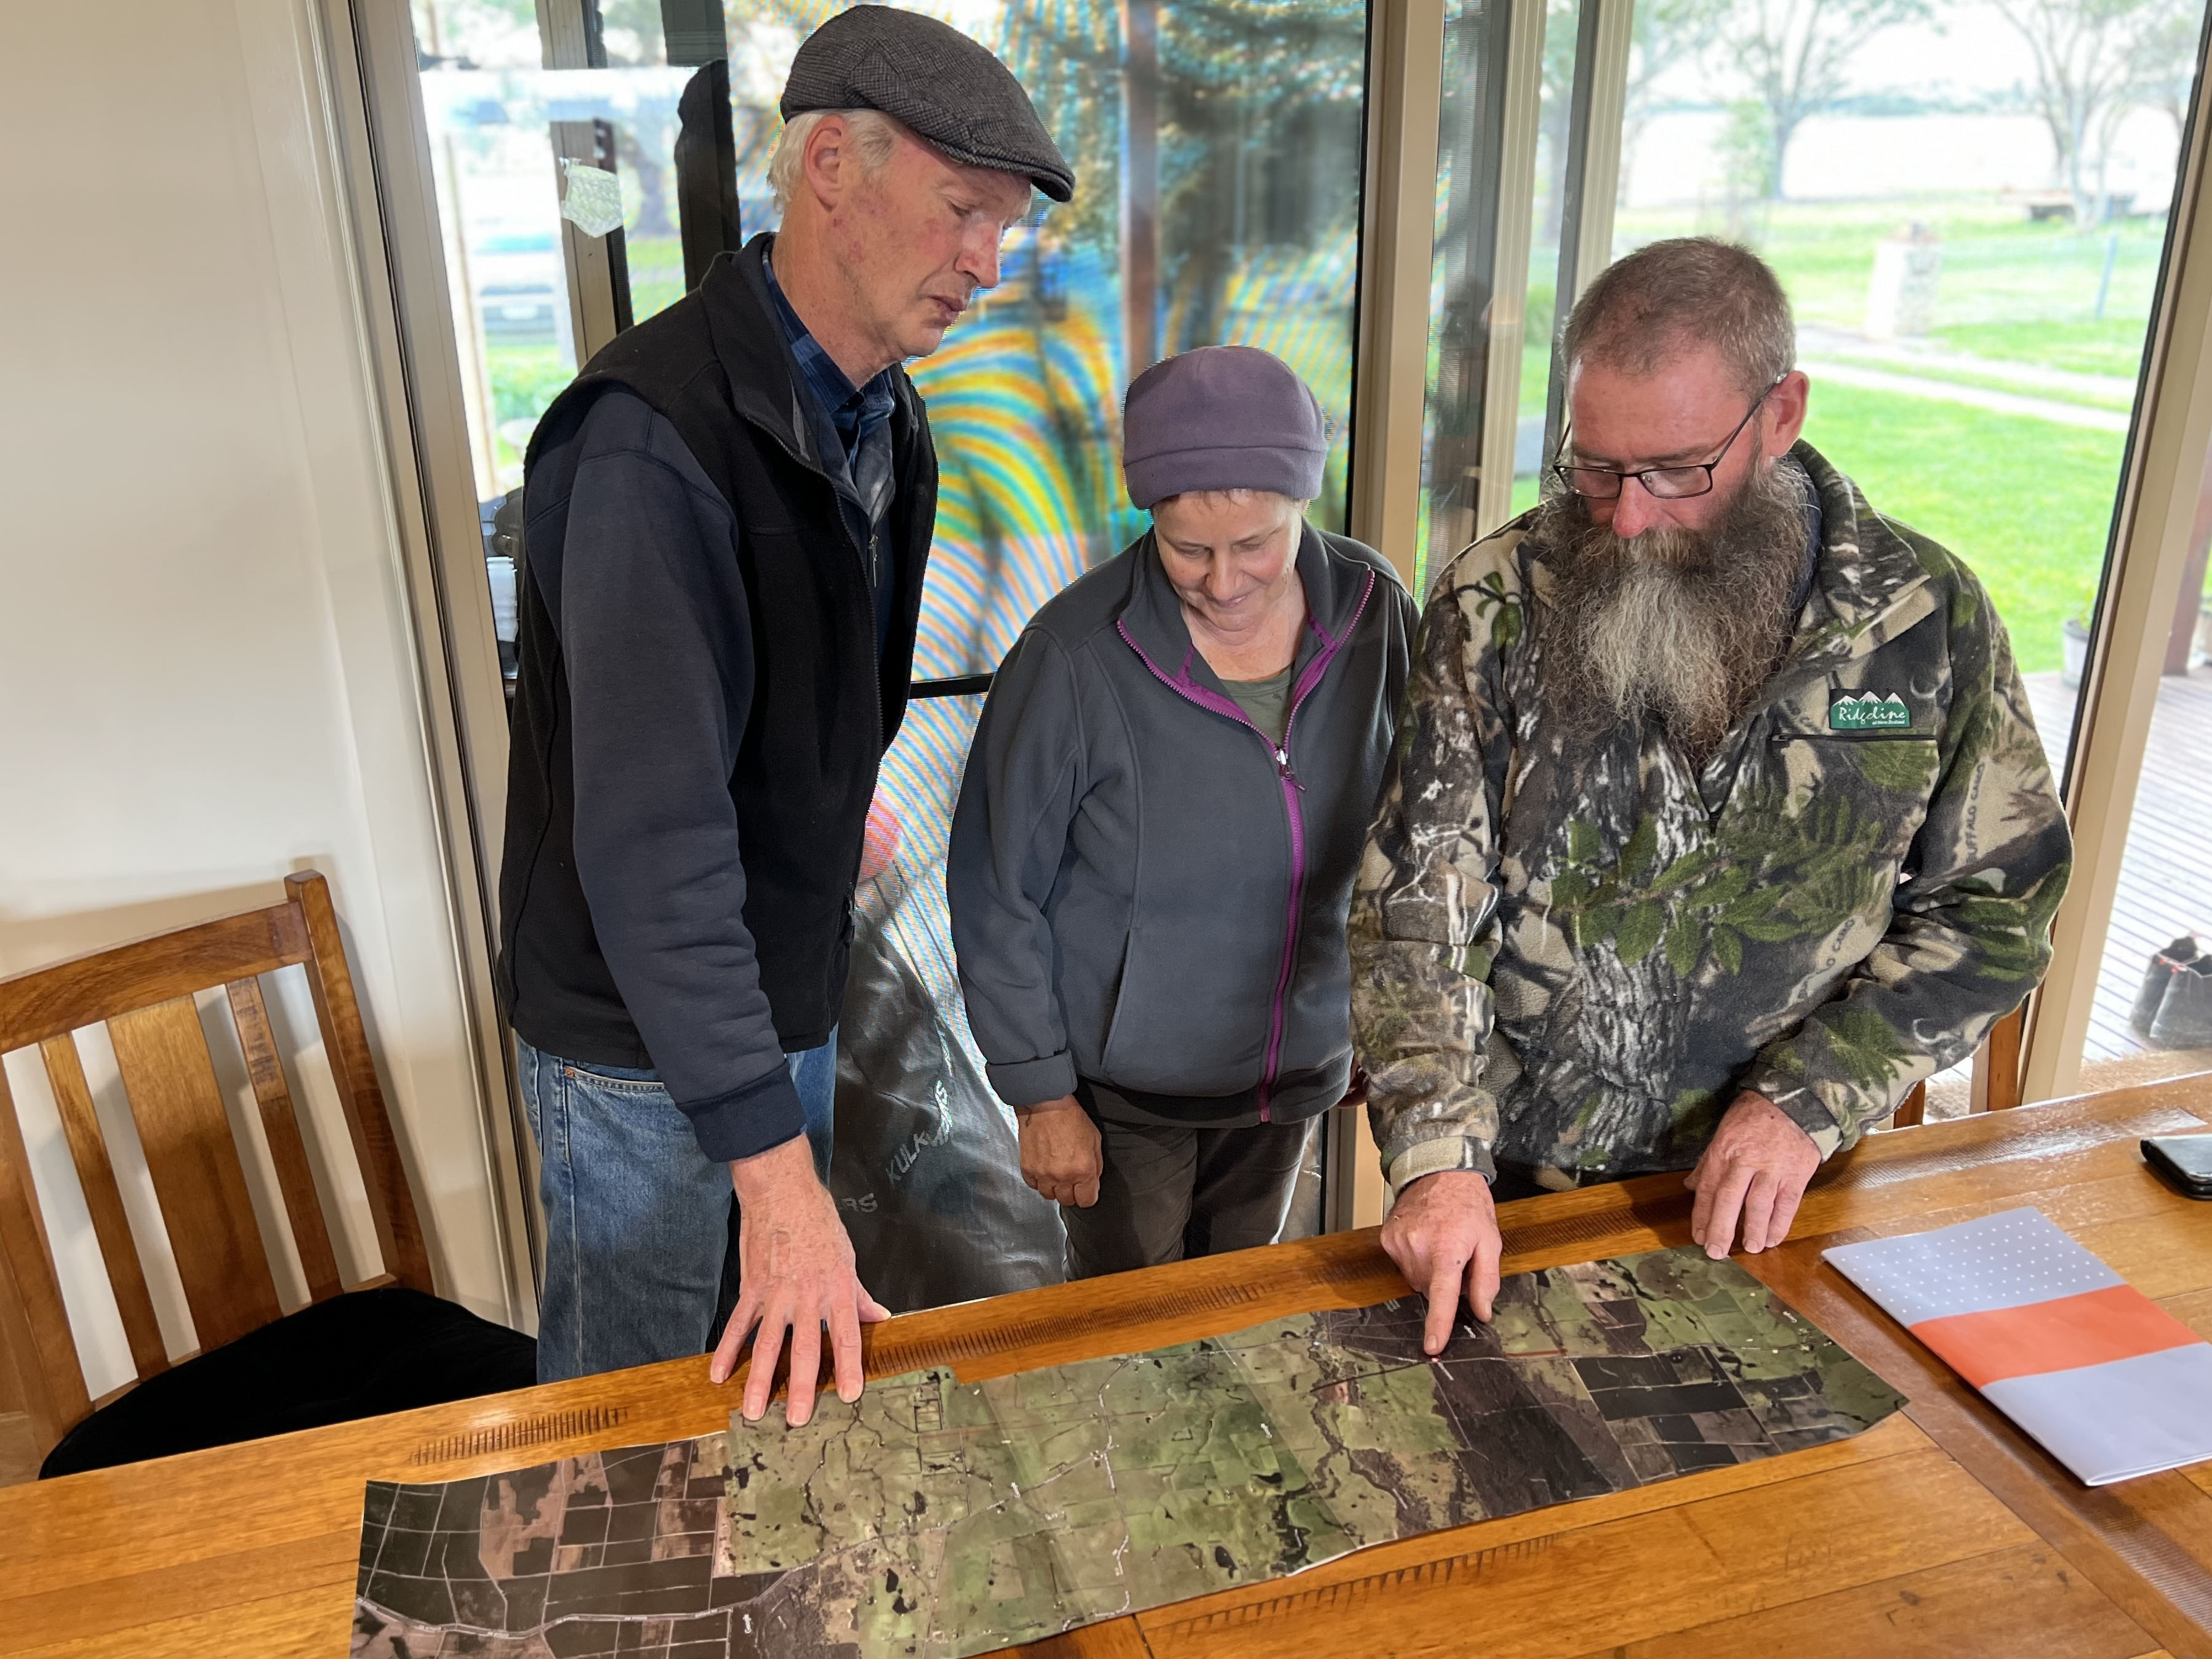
point(855, 412)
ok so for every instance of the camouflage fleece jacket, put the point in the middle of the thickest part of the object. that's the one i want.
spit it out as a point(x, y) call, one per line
point(1569, 955)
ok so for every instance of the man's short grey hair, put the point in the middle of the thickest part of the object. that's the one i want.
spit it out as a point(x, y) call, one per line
point(875, 135)
point(1688, 291)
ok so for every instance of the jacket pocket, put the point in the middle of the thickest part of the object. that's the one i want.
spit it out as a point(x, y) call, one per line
point(1114, 1003)
point(1186, 1020)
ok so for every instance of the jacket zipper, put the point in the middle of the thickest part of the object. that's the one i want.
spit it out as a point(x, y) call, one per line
point(1292, 811)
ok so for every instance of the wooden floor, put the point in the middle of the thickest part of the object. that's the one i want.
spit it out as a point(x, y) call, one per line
point(2166, 878)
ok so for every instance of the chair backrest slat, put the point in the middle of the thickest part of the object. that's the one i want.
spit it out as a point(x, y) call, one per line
point(398, 1232)
point(71, 995)
point(35, 1329)
point(177, 1106)
point(104, 1200)
point(280, 1122)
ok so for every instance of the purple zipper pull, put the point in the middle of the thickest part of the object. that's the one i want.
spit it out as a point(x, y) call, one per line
point(1283, 766)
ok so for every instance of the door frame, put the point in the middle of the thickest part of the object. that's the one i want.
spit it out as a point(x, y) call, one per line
point(366, 49)
point(2163, 477)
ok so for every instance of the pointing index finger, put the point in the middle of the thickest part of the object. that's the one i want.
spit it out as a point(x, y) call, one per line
point(1444, 1303)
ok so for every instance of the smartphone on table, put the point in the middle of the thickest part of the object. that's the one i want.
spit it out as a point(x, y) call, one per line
point(2185, 1162)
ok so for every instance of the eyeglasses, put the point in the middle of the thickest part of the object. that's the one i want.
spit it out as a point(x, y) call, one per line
point(1667, 483)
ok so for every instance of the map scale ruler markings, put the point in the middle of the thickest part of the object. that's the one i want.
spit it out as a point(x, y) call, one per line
point(882, 1529)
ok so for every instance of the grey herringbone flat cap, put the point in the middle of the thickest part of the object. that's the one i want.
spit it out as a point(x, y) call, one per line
point(947, 88)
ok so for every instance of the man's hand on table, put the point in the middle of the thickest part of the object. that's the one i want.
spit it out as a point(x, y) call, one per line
point(1756, 1167)
point(1443, 1234)
point(1061, 1157)
point(797, 1276)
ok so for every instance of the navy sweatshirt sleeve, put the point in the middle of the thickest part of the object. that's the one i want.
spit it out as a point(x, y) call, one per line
point(656, 640)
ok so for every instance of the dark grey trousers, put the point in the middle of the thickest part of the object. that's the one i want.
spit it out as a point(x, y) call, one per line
point(1169, 1192)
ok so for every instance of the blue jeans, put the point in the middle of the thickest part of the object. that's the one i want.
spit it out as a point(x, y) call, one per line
point(637, 1219)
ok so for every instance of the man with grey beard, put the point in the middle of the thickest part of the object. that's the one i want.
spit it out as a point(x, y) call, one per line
point(1678, 623)
point(1717, 819)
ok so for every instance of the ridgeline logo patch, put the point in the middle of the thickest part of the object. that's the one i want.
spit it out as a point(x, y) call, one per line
point(1869, 711)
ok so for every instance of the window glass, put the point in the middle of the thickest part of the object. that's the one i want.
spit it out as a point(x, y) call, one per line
point(1488, 220)
point(1217, 145)
point(491, 108)
point(1243, 230)
point(1547, 229)
point(2152, 1014)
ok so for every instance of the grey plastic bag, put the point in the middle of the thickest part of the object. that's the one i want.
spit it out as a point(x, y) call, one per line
point(927, 1171)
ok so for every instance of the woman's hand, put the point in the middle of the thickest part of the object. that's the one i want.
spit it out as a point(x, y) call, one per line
point(1060, 1155)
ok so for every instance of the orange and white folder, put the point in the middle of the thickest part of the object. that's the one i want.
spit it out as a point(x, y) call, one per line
point(2111, 1384)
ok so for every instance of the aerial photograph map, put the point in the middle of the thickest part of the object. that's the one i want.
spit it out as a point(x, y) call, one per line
point(936, 1519)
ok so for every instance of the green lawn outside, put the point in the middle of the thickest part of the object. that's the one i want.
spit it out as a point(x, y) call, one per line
point(525, 379)
point(2026, 503)
point(2010, 288)
point(1990, 375)
point(656, 273)
point(2112, 347)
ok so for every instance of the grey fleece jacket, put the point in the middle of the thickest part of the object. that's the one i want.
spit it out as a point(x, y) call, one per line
point(1146, 891)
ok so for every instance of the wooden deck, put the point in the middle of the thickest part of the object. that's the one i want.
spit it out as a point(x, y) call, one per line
point(2166, 878)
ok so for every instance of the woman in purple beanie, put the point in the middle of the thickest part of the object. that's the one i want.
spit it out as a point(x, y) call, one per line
point(1166, 801)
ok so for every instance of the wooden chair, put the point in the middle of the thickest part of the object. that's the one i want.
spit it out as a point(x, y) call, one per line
point(143, 994)
point(1997, 1074)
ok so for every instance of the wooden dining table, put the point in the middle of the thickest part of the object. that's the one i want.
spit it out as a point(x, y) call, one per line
point(1942, 1529)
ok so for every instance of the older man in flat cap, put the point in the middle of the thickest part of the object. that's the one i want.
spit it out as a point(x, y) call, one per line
point(728, 515)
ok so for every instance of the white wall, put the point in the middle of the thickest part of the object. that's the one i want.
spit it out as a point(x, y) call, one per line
point(207, 675)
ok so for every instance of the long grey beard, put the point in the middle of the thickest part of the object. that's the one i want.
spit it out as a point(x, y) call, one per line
point(1684, 625)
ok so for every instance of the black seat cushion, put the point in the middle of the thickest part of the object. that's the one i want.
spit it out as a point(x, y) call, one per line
point(357, 1355)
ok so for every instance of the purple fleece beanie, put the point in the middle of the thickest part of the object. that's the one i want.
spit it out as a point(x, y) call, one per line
point(1222, 417)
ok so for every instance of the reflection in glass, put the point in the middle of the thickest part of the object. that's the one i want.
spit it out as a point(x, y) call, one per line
point(1217, 156)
